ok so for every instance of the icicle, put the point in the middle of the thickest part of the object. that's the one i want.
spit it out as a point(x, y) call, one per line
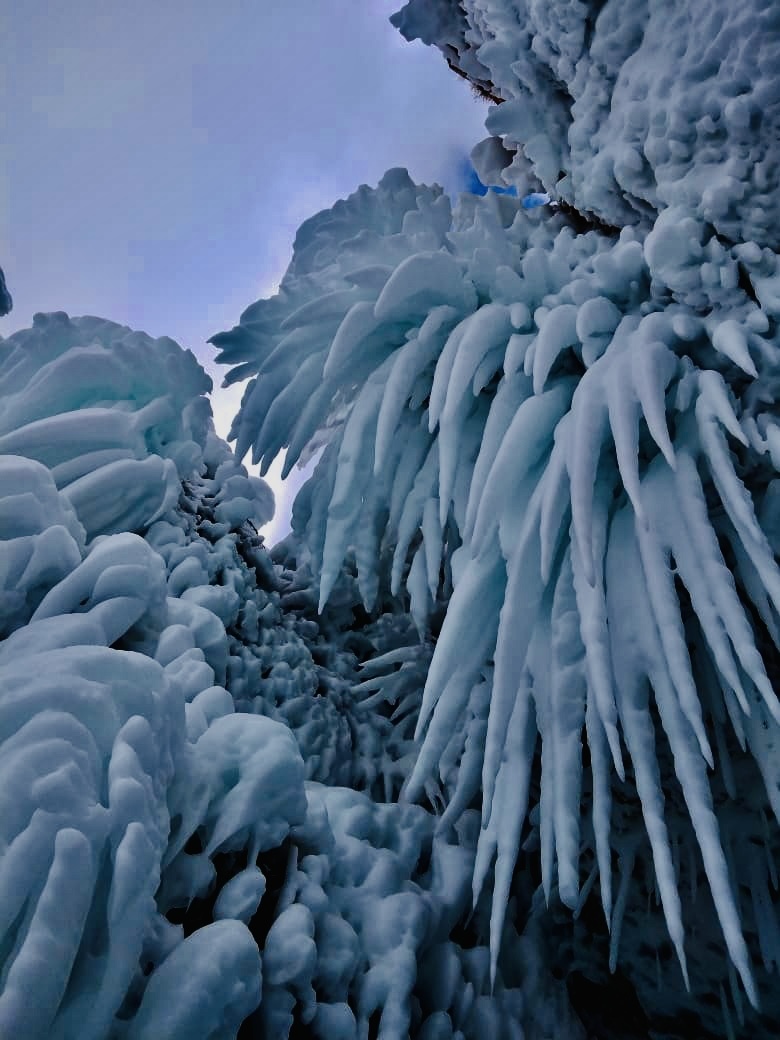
point(432, 539)
point(653, 368)
point(488, 367)
point(721, 583)
point(592, 607)
point(659, 579)
point(624, 415)
point(294, 348)
point(626, 866)
point(355, 465)
point(275, 429)
point(424, 488)
point(632, 691)
point(460, 650)
point(512, 787)
point(752, 583)
point(738, 503)
point(418, 592)
point(311, 417)
point(421, 282)
point(602, 801)
point(446, 719)
point(469, 773)
point(693, 781)
point(452, 431)
point(690, 536)
point(410, 363)
point(589, 429)
point(488, 328)
point(567, 718)
point(558, 332)
point(729, 339)
point(350, 345)
point(329, 305)
point(417, 445)
point(519, 614)
point(443, 371)
point(524, 444)
point(509, 397)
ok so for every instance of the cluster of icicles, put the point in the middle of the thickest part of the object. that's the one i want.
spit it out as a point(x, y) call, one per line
point(578, 432)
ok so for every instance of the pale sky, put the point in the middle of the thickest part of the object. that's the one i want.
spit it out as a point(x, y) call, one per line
point(160, 154)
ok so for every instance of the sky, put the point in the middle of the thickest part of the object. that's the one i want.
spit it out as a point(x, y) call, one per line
point(159, 157)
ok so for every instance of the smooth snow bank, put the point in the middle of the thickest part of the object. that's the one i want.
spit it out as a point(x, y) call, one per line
point(624, 111)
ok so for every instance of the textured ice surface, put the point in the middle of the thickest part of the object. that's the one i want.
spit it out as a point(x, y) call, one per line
point(624, 112)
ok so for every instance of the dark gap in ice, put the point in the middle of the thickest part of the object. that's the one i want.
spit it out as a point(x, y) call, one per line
point(610, 1008)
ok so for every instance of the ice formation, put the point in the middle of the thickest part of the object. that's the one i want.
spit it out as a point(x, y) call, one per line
point(532, 586)
point(171, 864)
point(568, 436)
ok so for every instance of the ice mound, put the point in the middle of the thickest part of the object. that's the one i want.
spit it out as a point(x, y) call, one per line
point(574, 439)
point(119, 742)
point(118, 417)
point(369, 898)
point(103, 787)
point(624, 112)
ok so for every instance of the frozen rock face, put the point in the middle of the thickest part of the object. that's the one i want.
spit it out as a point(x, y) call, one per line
point(564, 450)
point(625, 111)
